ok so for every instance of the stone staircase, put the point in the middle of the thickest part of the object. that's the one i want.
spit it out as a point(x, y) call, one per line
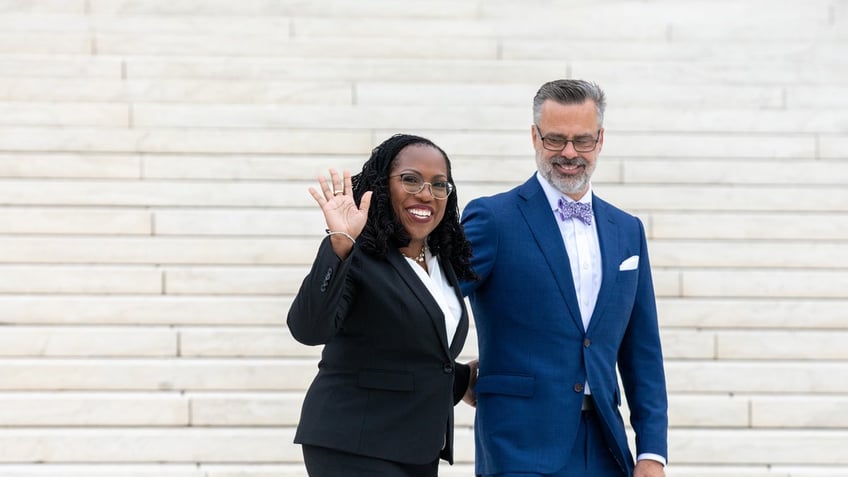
point(155, 224)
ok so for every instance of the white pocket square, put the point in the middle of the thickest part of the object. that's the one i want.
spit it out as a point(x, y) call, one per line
point(631, 263)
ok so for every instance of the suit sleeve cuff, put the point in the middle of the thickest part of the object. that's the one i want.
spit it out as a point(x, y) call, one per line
point(649, 456)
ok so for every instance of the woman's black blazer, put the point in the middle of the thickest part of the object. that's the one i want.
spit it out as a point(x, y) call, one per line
point(388, 379)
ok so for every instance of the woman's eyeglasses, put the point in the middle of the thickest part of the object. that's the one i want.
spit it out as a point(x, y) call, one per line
point(414, 184)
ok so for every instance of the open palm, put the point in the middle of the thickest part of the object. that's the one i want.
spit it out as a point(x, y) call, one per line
point(336, 201)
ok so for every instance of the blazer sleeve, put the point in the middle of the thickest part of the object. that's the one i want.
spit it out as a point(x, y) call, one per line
point(482, 232)
point(640, 363)
point(324, 298)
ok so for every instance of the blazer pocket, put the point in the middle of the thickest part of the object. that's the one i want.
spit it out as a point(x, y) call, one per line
point(386, 380)
point(509, 384)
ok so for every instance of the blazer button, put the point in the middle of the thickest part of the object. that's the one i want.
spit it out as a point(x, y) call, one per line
point(578, 388)
point(587, 342)
point(448, 368)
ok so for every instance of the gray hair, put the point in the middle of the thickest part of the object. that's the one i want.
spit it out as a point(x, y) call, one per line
point(570, 91)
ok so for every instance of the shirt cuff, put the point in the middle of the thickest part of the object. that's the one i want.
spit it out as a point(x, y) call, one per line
point(649, 456)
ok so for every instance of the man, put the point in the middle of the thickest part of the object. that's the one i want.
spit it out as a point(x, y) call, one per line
point(565, 294)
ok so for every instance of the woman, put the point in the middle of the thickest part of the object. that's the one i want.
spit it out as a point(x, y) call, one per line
point(383, 298)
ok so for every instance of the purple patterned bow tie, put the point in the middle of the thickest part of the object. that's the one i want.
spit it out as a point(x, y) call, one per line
point(578, 210)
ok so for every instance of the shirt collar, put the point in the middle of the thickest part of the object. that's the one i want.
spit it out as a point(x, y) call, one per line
point(553, 194)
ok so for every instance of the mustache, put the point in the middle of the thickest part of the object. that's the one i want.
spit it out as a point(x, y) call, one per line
point(562, 161)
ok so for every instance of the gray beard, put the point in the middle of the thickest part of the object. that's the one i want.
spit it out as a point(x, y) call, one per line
point(566, 185)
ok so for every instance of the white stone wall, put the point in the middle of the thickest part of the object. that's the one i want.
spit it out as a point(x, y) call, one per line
point(155, 224)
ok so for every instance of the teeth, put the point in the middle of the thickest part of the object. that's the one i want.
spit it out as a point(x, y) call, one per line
point(420, 212)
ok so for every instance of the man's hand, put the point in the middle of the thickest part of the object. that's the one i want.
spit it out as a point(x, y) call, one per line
point(649, 468)
point(470, 396)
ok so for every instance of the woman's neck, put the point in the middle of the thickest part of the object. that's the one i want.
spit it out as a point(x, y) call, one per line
point(416, 252)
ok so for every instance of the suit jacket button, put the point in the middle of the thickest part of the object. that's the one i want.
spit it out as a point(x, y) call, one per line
point(587, 342)
point(578, 388)
point(448, 368)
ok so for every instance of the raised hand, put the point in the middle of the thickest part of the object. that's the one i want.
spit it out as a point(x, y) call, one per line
point(340, 210)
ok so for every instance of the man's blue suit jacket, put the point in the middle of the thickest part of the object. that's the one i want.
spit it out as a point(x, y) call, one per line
point(534, 353)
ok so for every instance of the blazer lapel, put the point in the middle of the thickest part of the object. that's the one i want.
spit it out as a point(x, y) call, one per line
point(420, 291)
point(542, 224)
point(462, 328)
point(608, 238)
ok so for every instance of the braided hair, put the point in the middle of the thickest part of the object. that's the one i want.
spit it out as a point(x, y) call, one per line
point(383, 228)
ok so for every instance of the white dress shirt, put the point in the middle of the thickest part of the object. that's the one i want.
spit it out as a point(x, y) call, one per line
point(583, 249)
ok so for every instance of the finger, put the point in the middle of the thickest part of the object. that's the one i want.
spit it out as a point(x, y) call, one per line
point(325, 187)
point(337, 181)
point(365, 203)
point(348, 183)
point(318, 197)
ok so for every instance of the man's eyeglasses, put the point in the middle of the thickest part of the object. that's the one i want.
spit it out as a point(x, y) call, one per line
point(580, 143)
point(414, 184)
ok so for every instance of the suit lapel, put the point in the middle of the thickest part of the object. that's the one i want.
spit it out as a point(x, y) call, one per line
point(421, 293)
point(542, 224)
point(462, 327)
point(608, 238)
